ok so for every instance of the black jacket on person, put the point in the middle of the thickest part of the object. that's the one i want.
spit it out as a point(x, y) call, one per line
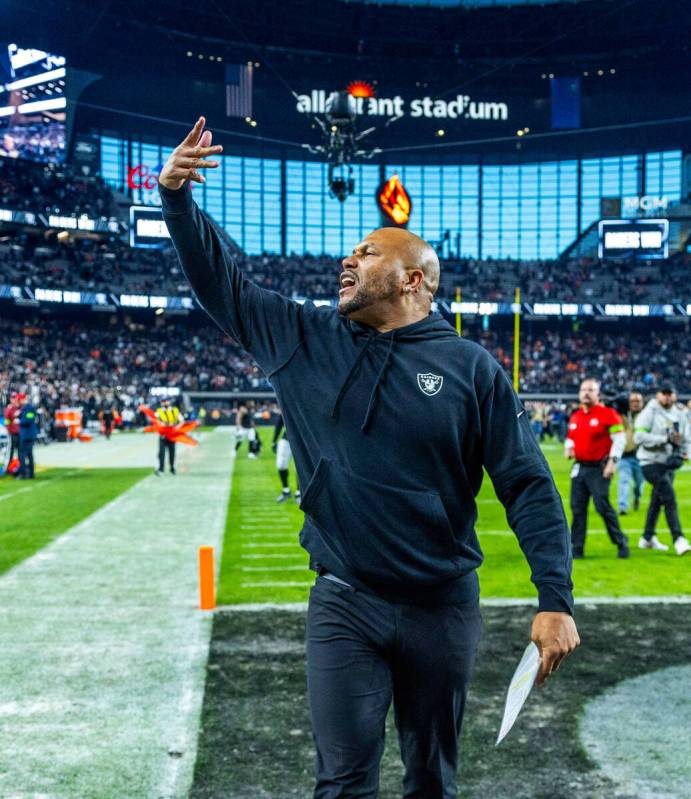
point(390, 433)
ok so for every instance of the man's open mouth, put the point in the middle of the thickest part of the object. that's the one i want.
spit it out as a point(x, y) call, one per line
point(347, 282)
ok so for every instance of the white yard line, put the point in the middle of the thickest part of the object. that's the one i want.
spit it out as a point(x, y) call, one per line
point(277, 584)
point(596, 531)
point(508, 602)
point(304, 568)
point(38, 484)
point(103, 648)
point(297, 554)
point(270, 544)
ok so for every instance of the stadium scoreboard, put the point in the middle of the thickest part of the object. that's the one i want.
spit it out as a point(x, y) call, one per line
point(638, 238)
point(147, 228)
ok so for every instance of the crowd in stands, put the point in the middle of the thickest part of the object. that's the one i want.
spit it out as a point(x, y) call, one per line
point(110, 265)
point(89, 364)
point(79, 363)
point(555, 361)
point(89, 264)
point(70, 363)
point(53, 189)
point(36, 141)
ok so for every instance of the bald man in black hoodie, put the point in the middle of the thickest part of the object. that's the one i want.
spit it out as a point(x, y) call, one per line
point(391, 418)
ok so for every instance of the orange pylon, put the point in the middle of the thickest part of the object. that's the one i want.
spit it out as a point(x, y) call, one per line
point(207, 590)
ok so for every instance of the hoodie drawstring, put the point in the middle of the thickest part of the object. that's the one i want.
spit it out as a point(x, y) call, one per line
point(375, 388)
point(351, 373)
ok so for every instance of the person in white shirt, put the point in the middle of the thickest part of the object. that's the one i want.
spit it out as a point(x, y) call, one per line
point(663, 436)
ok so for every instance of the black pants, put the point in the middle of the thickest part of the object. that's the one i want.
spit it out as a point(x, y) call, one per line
point(662, 496)
point(14, 445)
point(163, 445)
point(590, 482)
point(26, 458)
point(362, 651)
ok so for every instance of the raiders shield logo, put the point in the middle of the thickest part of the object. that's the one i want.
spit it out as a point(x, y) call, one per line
point(429, 384)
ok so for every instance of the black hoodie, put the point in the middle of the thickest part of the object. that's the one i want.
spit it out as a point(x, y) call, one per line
point(390, 433)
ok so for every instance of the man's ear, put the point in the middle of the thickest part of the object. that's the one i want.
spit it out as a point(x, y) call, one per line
point(414, 281)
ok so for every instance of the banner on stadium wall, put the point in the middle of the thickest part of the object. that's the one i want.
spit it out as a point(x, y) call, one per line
point(86, 154)
point(462, 106)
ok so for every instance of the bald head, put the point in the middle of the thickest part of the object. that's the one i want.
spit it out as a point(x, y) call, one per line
point(389, 280)
point(413, 253)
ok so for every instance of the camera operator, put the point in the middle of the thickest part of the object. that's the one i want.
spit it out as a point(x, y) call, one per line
point(663, 436)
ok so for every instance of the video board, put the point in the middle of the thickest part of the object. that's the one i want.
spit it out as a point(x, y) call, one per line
point(33, 104)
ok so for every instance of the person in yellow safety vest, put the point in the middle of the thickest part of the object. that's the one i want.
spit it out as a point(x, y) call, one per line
point(169, 415)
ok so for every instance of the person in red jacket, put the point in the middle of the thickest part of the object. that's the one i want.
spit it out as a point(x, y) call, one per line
point(12, 412)
point(596, 439)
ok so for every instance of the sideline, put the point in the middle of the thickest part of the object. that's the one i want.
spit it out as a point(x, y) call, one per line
point(103, 648)
point(498, 602)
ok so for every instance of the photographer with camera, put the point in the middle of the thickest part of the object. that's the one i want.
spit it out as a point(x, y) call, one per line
point(663, 435)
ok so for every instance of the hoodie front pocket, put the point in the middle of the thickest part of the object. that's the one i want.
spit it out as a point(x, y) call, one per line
point(386, 535)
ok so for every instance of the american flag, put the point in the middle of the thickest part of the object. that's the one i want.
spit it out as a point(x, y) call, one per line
point(238, 90)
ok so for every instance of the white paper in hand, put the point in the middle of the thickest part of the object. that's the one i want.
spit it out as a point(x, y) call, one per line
point(522, 681)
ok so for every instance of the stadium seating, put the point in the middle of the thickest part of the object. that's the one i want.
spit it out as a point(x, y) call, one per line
point(85, 361)
point(52, 188)
point(74, 363)
point(111, 265)
point(78, 362)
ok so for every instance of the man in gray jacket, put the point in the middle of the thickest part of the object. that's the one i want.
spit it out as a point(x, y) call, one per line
point(663, 436)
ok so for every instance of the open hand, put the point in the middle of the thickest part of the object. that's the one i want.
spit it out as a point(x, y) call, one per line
point(555, 636)
point(188, 157)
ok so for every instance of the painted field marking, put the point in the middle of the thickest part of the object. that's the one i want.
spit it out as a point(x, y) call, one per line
point(276, 584)
point(269, 544)
point(275, 568)
point(301, 607)
point(278, 555)
point(38, 484)
point(105, 666)
point(597, 531)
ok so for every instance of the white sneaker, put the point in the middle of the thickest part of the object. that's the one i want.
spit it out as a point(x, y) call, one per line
point(284, 496)
point(682, 546)
point(653, 543)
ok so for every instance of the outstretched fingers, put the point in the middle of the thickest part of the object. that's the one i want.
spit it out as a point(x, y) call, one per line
point(192, 138)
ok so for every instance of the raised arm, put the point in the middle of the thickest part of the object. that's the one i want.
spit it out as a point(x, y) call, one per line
point(267, 325)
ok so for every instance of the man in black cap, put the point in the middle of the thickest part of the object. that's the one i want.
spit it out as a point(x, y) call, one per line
point(664, 441)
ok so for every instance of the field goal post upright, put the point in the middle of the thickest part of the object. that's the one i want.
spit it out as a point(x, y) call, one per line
point(516, 338)
point(458, 311)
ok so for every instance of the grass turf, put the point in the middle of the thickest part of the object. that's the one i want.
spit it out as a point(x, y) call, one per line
point(263, 562)
point(35, 512)
point(255, 740)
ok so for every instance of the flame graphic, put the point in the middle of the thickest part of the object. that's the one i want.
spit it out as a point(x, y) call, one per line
point(360, 88)
point(395, 201)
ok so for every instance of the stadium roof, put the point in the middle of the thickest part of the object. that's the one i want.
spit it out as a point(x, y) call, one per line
point(415, 40)
point(460, 3)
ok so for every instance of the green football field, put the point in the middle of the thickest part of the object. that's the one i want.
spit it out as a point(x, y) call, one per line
point(35, 512)
point(104, 668)
point(263, 562)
